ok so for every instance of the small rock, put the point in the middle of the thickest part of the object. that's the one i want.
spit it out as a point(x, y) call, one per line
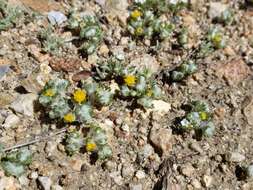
point(195, 146)
point(4, 67)
point(56, 187)
point(100, 2)
point(140, 174)
point(36, 53)
point(24, 104)
point(8, 183)
point(23, 180)
point(51, 146)
point(235, 157)
point(56, 17)
point(127, 171)
point(34, 175)
point(196, 184)
point(187, 170)
point(76, 164)
point(103, 50)
point(249, 171)
point(234, 71)
point(82, 75)
point(162, 140)
point(248, 109)
point(207, 180)
point(11, 121)
point(68, 64)
point(160, 107)
point(117, 178)
point(45, 182)
point(135, 186)
point(216, 9)
point(31, 84)
point(146, 61)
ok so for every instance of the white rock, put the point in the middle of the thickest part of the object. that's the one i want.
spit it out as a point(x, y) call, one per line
point(161, 107)
point(135, 186)
point(56, 17)
point(45, 182)
point(24, 104)
point(127, 171)
point(146, 61)
point(216, 9)
point(207, 180)
point(23, 180)
point(11, 121)
point(140, 174)
point(117, 178)
point(235, 157)
point(34, 175)
point(196, 184)
point(187, 170)
point(51, 146)
point(57, 187)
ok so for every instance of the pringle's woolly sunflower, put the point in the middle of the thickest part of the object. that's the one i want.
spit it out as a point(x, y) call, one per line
point(136, 14)
point(91, 146)
point(130, 80)
point(79, 96)
point(139, 31)
point(49, 92)
point(69, 118)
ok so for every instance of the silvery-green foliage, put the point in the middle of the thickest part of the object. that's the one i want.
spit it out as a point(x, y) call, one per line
point(146, 102)
point(10, 15)
point(83, 113)
point(104, 97)
point(184, 70)
point(216, 38)
point(74, 142)
point(90, 31)
point(14, 163)
point(59, 108)
point(104, 152)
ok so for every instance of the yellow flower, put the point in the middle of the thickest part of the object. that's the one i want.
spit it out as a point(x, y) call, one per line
point(69, 118)
point(139, 31)
point(79, 96)
point(91, 146)
point(203, 116)
point(149, 93)
point(130, 80)
point(49, 92)
point(136, 14)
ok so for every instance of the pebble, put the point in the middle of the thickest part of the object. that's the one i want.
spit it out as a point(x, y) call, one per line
point(161, 107)
point(248, 109)
point(216, 9)
point(11, 121)
point(8, 183)
point(4, 67)
point(187, 170)
point(127, 171)
point(235, 157)
point(34, 175)
point(195, 146)
point(76, 164)
point(51, 146)
point(45, 182)
point(23, 180)
point(103, 50)
point(24, 104)
point(196, 184)
point(162, 140)
point(117, 178)
point(207, 180)
point(249, 171)
point(56, 187)
point(140, 174)
point(135, 186)
point(56, 17)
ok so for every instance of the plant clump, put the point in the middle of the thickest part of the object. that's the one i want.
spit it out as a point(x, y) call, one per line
point(199, 118)
point(51, 42)
point(89, 30)
point(9, 16)
point(15, 163)
point(181, 72)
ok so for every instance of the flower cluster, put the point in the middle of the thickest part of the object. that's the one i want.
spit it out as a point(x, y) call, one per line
point(75, 106)
point(133, 84)
point(199, 118)
point(14, 163)
point(10, 15)
point(89, 30)
point(94, 142)
point(144, 23)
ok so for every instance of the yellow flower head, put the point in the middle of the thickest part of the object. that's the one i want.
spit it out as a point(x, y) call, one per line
point(79, 96)
point(203, 116)
point(149, 93)
point(130, 80)
point(136, 14)
point(49, 92)
point(139, 31)
point(69, 118)
point(91, 146)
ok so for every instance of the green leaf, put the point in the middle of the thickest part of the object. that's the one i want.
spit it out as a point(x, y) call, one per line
point(12, 168)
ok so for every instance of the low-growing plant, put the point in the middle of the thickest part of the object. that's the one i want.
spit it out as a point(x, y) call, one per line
point(181, 72)
point(199, 118)
point(89, 30)
point(51, 42)
point(9, 16)
point(15, 163)
point(216, 38)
